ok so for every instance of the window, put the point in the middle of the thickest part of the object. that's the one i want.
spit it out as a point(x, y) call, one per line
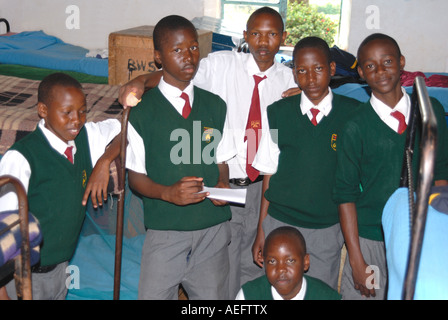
point(236, 12)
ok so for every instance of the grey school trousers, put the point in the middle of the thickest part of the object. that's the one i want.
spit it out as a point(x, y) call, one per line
point(323, 246)
point(244, 224)
point(199, 260)
point(46, 286)
point(375, 256)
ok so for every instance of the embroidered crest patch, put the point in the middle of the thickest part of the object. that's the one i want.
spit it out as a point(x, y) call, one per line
point(334, 136)
point(207, 135)
point(84, 178)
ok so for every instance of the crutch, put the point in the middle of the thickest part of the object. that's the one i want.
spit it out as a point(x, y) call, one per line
point(121, 170)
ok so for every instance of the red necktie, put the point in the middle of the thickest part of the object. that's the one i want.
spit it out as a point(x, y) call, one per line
point(314, 112)
point(401, 121)
point(253, 136)
point(68, 153)
point(187, 107)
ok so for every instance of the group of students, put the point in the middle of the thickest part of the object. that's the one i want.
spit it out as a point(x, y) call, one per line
point(318, 175)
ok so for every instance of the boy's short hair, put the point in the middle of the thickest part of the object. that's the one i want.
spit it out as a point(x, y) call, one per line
point(265, 10)
point(313, 42)
point(52, 80)
point(288, 231)
point(378, 36)
point(169, 24)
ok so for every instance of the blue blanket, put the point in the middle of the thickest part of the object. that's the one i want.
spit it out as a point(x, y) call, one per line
point(37, 49)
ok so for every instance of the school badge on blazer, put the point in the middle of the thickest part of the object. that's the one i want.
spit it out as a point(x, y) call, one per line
point(84, 178)
point(208, 134)
point(334, 136)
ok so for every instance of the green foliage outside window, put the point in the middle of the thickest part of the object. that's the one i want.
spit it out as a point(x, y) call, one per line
point(304, 20)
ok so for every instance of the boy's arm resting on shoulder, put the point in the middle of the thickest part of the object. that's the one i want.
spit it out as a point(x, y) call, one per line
point(138, 86)
point(185, 191)
point(99, 178)
point(257, 247)
point(223, 182)
point(349, 225)
point(291, 92)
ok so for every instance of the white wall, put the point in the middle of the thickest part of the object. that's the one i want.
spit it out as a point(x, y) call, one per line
point(97, 18)
point(419, 26)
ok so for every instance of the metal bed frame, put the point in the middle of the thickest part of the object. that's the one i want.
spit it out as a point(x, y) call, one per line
point(21, 263)
point(421, 109)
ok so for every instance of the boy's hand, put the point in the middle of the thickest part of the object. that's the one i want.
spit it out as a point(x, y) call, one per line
point(97, 184)
point(186, 191)
point(291, 92)
point(224, 185)
point(130, 93)
point(360, 279)
point(257, 248)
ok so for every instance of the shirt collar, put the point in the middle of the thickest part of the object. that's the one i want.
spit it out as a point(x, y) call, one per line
point(252, 67)
point(54, 141)
point(384, 111)
point(299, 296)
point(173, 92)
point(324, 106)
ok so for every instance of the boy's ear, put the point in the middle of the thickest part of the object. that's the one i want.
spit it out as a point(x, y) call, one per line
point(42, 110)
point(284, 37)
point(245, 35)
point(402, 62)
point(306, 262)
point(157, 57)
point(332, 68)
point(361, 74)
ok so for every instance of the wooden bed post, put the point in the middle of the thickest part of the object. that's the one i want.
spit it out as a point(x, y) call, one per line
point(121, 170)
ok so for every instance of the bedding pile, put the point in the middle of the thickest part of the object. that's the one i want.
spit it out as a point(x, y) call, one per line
point(37, 49)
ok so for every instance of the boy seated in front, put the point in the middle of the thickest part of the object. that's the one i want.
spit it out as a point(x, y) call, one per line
point(171, 156)
point(285, 262)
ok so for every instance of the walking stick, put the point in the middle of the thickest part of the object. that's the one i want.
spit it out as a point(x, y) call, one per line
point(121, 170)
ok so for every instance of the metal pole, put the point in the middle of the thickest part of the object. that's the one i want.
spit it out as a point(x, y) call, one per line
point(427, 160)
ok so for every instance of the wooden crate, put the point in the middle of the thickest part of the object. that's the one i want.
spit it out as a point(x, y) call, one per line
point(131, 52)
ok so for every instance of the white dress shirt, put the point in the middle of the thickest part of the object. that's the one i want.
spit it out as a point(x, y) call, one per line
point(299, 296)
point(229, 74)
point(384, 111)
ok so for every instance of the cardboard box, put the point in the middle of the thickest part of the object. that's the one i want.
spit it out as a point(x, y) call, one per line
point(131, 52)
